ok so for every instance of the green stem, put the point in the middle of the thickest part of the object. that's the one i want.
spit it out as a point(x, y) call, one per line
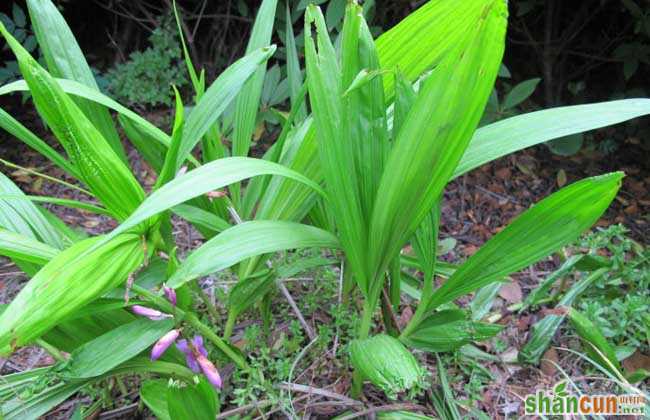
point(54, 352)
point(369, 306)
point(230, 325)
point(194, 321)
point(212, 310)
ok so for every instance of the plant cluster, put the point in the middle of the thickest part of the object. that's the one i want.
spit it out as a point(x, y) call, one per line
point(138, 81)
point(375, 131)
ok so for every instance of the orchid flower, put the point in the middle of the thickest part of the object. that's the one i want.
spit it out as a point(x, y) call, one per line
point(196, 358)
point(150, 313)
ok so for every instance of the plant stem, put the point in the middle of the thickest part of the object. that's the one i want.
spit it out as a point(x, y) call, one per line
point(194, 321)
point(212, 310)
point(369, 306)
point(230, 325)
point(366, 318)
point(54, 352)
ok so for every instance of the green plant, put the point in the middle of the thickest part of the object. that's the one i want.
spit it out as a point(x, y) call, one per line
point(363, 174)
point(138, 81)
point(619, 302)
point(19, 27)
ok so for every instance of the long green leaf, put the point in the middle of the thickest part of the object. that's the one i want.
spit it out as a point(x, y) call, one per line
point(23, 134)
point(23, 217)
point(65, 60)
point(548, 225)
point(215, 100)
point(115, 347)
point(247, 240)
point(209, 177)
point(24, 248)
point(418, 42)
point(146, 130)
point(100, 167)
point(248, 99)
point(522, 131)
point(433, 139)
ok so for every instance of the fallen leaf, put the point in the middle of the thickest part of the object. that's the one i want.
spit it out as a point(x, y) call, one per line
point(511, 292)
point(637, 361)
point(547, 364)
point(561, 178)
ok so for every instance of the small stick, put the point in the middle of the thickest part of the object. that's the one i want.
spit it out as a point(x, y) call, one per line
point(296, 310)
point(319, 391)
point(390, 407)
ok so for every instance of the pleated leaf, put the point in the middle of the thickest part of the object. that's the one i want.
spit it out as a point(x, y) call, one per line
point(212, 176)
point(385, 362)
point(217, 98)
point(247, 240)
point(433, 137)
point(66, 284)
point(248, 99)
point(420, 40)
point(550, 224)
point(65, 60)
point(114, 348)
point(448, 330)
point(516, 133)
point(24, 248)
point(99, 166)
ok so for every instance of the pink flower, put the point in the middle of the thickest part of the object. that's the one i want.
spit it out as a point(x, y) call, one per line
point(170, 294)
point(196, 357)
point(190, 349)
point(164, 343)
point(152, 314)
point(210, 371)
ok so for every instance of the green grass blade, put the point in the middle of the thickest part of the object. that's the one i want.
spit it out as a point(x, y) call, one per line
point(247, 240)
point(65, 60)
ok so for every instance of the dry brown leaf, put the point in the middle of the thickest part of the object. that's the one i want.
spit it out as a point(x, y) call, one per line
point(549, 361)
point(511, 292)
point(637, 361)
point(561, 178)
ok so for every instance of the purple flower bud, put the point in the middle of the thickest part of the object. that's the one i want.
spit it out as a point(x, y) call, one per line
point(210, 371)
point(170, 294)
point(163, 344)
point(152, 314)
